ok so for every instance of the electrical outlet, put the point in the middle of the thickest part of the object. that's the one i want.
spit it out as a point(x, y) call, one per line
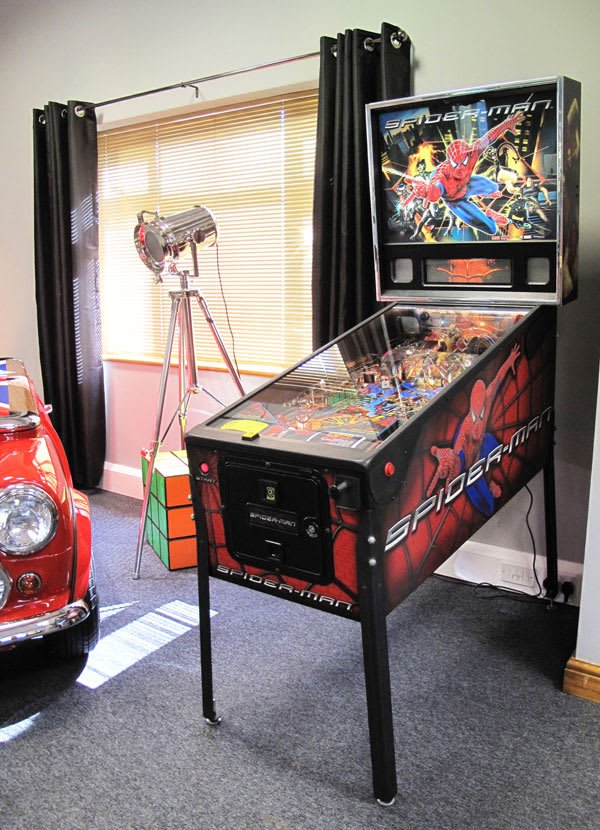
point(575, 580)
point(517, 575)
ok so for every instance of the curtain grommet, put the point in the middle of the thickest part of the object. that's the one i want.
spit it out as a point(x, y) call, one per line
point(42, 118)
point(79, 111)
point(369, 44)
point(398, 38)
point(334, 50)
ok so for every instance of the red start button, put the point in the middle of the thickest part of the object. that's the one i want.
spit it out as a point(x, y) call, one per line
point(389, 469)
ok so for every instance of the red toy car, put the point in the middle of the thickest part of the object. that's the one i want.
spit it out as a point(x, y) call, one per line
point(47, 580)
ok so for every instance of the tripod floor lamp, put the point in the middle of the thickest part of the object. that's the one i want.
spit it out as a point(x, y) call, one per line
point(159, 244)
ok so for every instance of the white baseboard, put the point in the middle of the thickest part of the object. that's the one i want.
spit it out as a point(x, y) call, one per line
point(127, 481)
point(473, 562)
point(481, 562)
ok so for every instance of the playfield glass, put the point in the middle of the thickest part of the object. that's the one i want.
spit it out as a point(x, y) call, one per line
point(361, 388)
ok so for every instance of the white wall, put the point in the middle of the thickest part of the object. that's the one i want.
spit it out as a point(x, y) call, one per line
point(56, 50)
point(588, 636)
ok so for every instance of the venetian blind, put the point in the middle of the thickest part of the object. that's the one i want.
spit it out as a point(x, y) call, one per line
point(252, 166)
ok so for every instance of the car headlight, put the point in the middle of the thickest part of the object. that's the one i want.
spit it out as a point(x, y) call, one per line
point(28, 518)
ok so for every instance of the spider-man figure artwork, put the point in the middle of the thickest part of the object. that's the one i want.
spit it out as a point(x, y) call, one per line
point(454, 182)
point(472, 441)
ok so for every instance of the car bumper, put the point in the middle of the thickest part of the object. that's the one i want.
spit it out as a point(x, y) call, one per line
point(16, 631)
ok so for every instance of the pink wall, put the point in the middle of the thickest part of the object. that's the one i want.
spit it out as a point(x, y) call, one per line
point(132, 391)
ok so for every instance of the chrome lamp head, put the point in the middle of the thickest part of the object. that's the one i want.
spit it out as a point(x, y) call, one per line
point(160, 241)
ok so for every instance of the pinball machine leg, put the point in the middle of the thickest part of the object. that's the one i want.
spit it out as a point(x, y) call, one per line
point(551, 580)
point(208, 702)
point(377, 680)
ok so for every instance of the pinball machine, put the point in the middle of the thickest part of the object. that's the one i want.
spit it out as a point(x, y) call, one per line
point(350, 478)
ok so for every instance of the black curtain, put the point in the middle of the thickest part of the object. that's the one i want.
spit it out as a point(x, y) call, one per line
point(357, 68)
point(66, 274)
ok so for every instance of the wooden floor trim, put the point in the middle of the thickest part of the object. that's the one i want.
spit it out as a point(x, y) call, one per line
point(582, 679)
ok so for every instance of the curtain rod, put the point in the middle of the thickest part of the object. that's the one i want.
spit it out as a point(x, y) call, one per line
point(81, 108)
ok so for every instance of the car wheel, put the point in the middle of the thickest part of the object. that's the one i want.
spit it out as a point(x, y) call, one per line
point(79, 639)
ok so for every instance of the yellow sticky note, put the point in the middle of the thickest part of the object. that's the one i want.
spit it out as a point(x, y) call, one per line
point(245, 425)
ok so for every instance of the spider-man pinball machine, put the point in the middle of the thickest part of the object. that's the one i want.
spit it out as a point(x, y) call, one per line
point(347, 480)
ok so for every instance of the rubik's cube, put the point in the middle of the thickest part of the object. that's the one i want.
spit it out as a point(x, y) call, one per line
point(170, 529)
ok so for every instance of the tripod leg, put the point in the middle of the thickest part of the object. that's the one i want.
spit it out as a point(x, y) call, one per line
point(183, 378)
point(188, 369)
point(232, 370)
point(175, 301)
point(189, 349)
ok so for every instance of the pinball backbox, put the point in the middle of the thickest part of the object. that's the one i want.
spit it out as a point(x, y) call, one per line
point(347, 480)
point(477, 191)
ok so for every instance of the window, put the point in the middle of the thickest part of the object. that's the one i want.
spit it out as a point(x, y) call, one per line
point(252, 166)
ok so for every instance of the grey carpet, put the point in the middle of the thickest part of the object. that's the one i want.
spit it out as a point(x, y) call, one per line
point(485, 738)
